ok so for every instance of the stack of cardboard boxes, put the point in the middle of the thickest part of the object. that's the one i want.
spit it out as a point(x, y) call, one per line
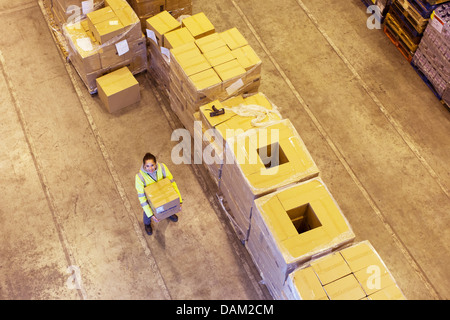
point(283, 212)
point(215, 66)
point(148, 8)
point(290, 227)
point(215, 129)
point(108, 39)
point(432, 58)
point(163, 33)
point(118, 89)
point(353, 273)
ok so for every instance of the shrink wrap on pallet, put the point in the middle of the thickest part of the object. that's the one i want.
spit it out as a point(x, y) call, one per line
point(107, 40)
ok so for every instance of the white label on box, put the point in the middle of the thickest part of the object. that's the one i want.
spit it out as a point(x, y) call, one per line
point(85, 44)
point(87, 6)
point(166, 52)
point(437, 23)
point(151, 35)
point(114, 22)
point(235, 86)
point(122, 47)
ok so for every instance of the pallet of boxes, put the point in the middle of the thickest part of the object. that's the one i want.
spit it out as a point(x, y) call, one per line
point(431, 60)
point(203, 65)
point(107, 41)
point(282, 211)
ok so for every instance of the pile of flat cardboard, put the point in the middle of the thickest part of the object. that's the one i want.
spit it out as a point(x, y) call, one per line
point(108, 39)
point(148, 8)
point(353, 273)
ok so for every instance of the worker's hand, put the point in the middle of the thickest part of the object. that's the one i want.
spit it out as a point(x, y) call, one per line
point(155, 219)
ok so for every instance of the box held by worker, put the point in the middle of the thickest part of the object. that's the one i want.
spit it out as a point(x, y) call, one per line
point(162, 198)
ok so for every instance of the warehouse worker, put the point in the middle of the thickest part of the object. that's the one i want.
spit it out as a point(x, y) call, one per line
point(151, 172)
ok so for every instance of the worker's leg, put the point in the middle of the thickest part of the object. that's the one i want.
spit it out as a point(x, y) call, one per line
point(173, 218)
point(148, 225)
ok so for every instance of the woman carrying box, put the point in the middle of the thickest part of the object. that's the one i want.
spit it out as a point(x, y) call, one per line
point(151, 172)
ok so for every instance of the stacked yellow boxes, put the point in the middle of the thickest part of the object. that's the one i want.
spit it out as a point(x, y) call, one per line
point(292, 226)
point(161, 29)
point(238, 117)
point(148, 8)
point(206, 69)
point(353, 273)
point(108, 39)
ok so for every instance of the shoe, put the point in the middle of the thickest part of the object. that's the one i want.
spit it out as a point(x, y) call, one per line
point(148, 229)
point(173, 218)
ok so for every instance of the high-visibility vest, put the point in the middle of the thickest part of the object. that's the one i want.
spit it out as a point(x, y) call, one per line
point(143, 179)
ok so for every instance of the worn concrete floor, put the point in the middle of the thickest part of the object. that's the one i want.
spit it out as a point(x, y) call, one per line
point(69, 209)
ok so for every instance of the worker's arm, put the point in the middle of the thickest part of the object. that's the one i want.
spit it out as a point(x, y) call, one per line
point(142, 198)
point(172, 180)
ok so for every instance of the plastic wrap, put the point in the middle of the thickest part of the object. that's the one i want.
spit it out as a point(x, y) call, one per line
point(93, 59)
point(433, 53)
point(72, 11)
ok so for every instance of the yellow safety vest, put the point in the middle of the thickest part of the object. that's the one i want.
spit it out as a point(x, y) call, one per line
point(143, 179)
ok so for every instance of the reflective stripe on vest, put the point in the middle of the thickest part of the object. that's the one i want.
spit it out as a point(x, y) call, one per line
point(160, 174)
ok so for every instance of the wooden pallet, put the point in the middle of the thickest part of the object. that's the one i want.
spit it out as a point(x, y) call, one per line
point(411, 14)
point(423, 7)
point(402, 34)
point(54, 27)
point(398, 43)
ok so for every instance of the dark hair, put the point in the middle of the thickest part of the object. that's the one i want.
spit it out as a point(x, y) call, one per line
point(148, 156)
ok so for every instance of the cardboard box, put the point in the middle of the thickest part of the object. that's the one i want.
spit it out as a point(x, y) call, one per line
point(177, 37)
point(107, 30)
point(367, 266)
point(392, 292)
point(293, 226)
point(117, 4)
point(98, 16)
point(210, 42)
point(130, 21)
point(219, 56)
point(118, 89)
point(246, 56)
point(187, 60)
point(233, 38)
point(330, 268)
point(346, 288)
point(307, 285)
point(162, 23)
point(262, 171)
point(147, 7)
point(198, 25)
point(163, 199)
point(83, 50)
point(229, 70)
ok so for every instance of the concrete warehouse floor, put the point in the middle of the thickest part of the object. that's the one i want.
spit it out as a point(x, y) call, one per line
point(69, 209)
